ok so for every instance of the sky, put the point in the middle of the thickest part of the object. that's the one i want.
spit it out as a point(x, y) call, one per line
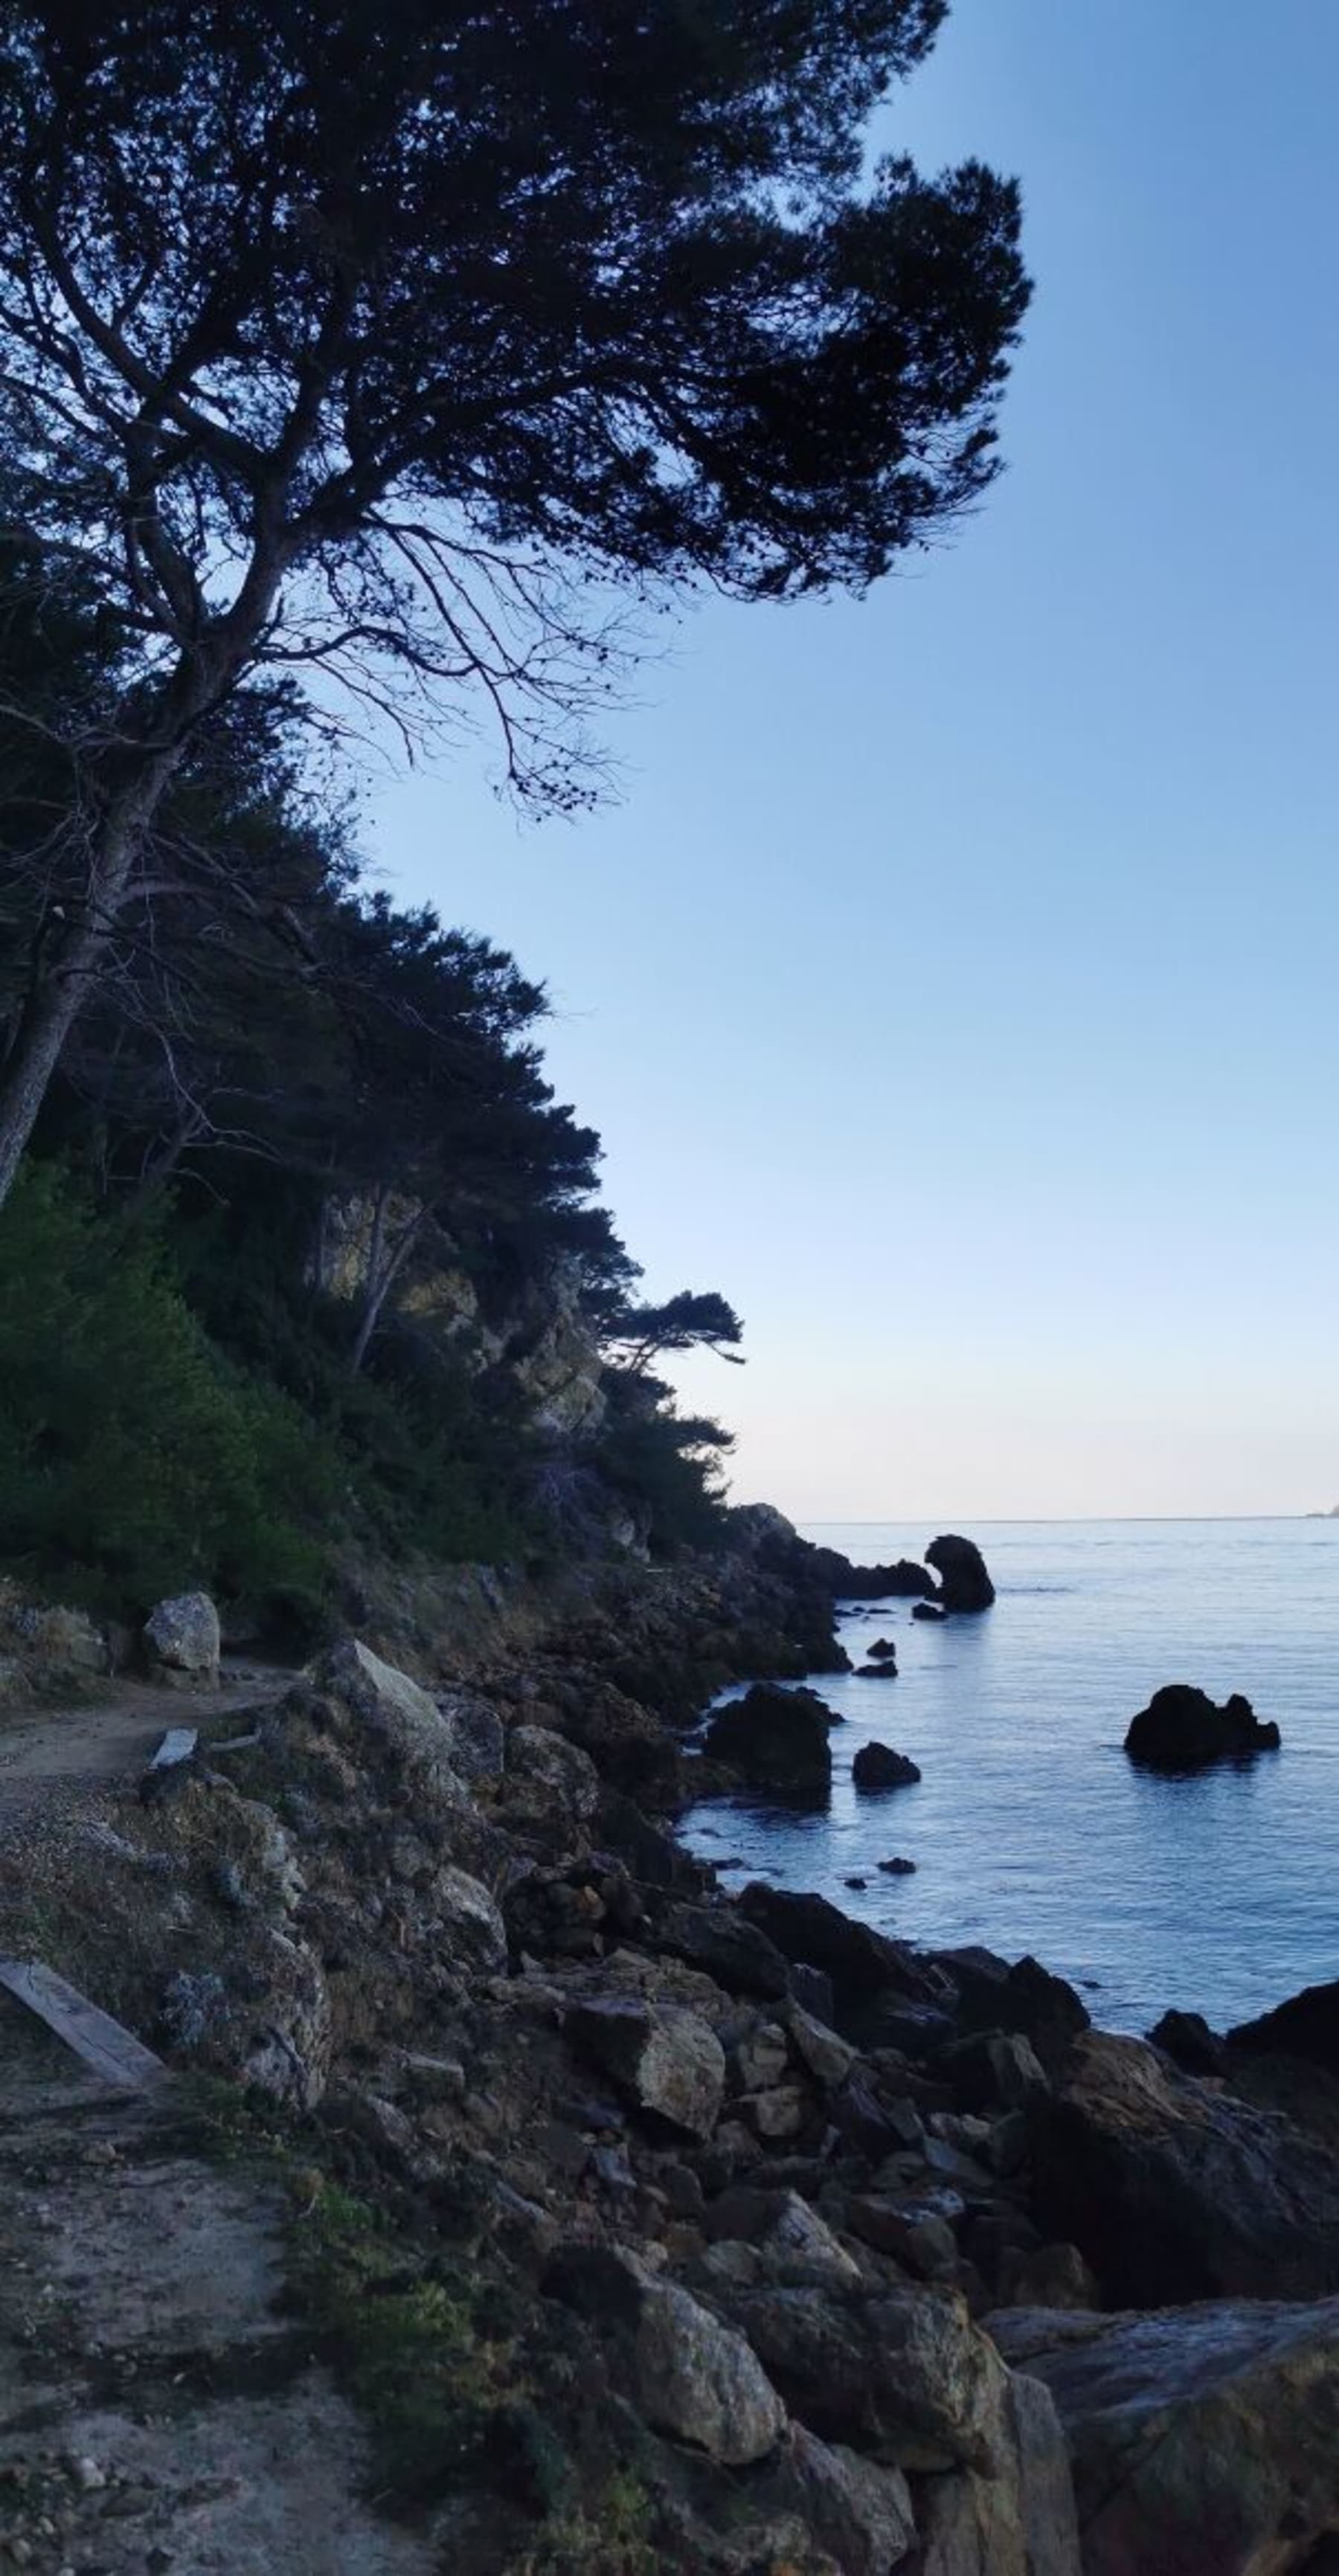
point(953, 981)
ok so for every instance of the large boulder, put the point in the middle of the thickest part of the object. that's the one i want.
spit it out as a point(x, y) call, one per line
point(776, 1739)
point(665, 2058)
point(548, 1782)
point(1175, 2189)
point(688, 2374)
point(963, 1581)
point(396, 1716)
point(181, 1642)
point(862, 1963)
point(725, 1945)
point(857, 2512)
point(470, 1926)
point(1182, 1729)
point(1307, 2026)
point(1021, 2519)
point(877, 1766)
point(994, 1996)
point(904, 2373)
point(1205, 2441)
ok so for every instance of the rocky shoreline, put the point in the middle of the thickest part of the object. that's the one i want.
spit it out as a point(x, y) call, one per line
point(759, 2241)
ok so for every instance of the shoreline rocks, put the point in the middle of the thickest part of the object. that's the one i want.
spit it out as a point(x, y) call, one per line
point(774, 1738)
point(877, 1766)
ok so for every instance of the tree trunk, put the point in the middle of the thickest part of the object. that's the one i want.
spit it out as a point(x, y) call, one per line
point(381, 1277)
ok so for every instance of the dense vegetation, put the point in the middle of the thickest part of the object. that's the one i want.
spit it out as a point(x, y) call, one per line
point(364, 370)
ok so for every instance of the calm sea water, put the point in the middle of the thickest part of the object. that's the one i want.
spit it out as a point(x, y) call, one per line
point(1030, 1830)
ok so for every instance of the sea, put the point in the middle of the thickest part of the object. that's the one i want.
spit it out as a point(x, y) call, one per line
point(1030, 1829)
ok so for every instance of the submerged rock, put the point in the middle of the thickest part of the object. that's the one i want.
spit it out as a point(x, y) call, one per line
point(777, 1739)
point(964, 1584)
point(877, 1766)
point(1182, 1729)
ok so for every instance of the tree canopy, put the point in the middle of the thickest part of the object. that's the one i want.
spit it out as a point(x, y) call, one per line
point(400, 345)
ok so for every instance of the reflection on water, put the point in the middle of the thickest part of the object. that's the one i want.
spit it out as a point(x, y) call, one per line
point(1030, 1830)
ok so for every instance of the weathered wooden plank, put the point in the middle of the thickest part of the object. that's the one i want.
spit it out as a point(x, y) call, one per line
point(113, 2053)
point(178, 1745)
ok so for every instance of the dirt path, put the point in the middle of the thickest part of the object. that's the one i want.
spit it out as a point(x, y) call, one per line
point(115, 1736)
point(157, 2410)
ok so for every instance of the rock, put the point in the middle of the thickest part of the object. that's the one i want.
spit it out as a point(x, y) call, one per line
point(1047, 2276)
point(1021, 2519)
point(993, 2067)
point(477, 1736)
point(1176, 2190)
point(877, 1672)
point(912, 2232)
point(759, 2057)
point(929, 1611)
point(877, 1766)
point(1187, 2039)
point(725, 1945)
point(897, 1867)
point(855, 1882)
point(1024, 1997)
point(828, 2058)
point(861, 1962)
point(964, 1584)
point(665, 2058)
point(777, 1739)
point(859, 2514)
point(780, 2113)
point(54, 1648)
point(813, 1990)
point(1203, 2439)
point(904, 2372)
point(799, 2249)
point(397, 1716)
point(181, 1642)
point(883, 1650)
point(1307, 2026)
point(472, 1929)
point(1182, 1729)
point(548, 1782)
point(689, 2375)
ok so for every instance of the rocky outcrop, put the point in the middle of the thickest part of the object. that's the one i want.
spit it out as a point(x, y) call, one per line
point(1176, 2189)
point(861, 1962)
point(877, 1766)
point(1182, 1729)
point(964, 1584)
point(1203, 2439)
point(774, 1739)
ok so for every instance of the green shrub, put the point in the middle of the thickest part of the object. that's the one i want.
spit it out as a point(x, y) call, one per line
point(134, 1459)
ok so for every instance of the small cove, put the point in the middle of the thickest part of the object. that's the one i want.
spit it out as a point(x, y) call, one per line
point(1029, 1829)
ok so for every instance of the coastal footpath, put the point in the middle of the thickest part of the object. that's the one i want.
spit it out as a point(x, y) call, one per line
point(516, 2203)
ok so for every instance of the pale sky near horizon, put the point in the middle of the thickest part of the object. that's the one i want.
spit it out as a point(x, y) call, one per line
point(953, 984)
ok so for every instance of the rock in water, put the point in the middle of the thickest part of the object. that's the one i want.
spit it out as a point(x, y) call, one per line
point(929, 1611)
point(778, 1739)
point(877, 1766)
point(963, 1581)
point(1182, 1729)
point(181, 1641)
point(1203, 2439)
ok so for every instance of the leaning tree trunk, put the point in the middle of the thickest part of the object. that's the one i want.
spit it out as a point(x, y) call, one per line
point(75, 962)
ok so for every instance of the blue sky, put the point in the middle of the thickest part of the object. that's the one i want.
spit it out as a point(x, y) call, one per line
point(954, 982)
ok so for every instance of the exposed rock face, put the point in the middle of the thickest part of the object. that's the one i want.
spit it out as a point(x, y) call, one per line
point(964, 1584)
point(727, 1946)
point(1307, 2026)
point(1177, 2190)
point(777, 1739)
point(666, 2059)
point(877, 1766)
point(1204, 2439)
point(1020, 2521)
point(1025, 1997)
point(181, 1642)
point(906, 2372)
point(1187, 2039)
point(1182, 1729)
point(399, 1716)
